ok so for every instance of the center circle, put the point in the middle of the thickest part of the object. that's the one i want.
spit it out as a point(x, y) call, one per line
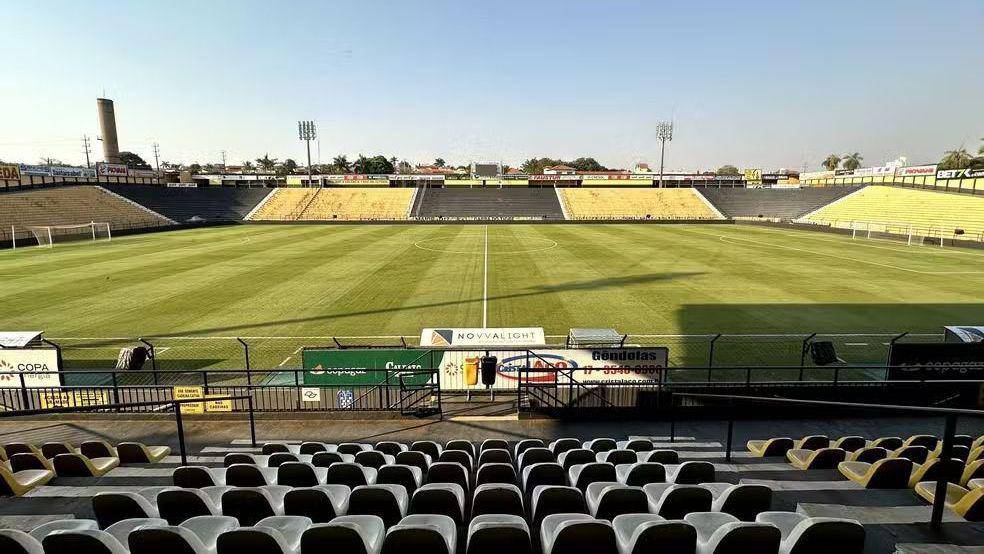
point(440, 244)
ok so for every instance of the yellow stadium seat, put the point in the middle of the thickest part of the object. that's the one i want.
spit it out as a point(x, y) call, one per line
point(636, 203)
point(967, 503)
point(335, 204)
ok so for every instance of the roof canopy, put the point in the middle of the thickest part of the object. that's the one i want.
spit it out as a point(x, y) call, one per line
point(19, 339)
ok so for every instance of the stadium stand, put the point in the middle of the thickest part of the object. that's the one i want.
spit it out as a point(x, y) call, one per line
point(194, 204)
point(487, 203)
point(330, 204)
point(937, 212)
point(772, 203)
point(72, 206)
point(644, 203)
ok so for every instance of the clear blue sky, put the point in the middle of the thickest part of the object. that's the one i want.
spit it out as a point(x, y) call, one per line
point(755, 83)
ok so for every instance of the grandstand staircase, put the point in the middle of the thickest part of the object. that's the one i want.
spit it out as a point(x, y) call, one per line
point(307, 205)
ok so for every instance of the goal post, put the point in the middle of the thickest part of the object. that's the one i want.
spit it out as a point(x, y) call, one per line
point(49, 235)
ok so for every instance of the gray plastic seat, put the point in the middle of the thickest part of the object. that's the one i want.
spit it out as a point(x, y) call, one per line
point(278, 458)
point(389, 502)
point(82, 541)
point(497, 498)
point(498, 534)
point(659, 456)
point(602, 444)
point(815, 535)
point(457, 456)
point(274, 447)
point(495, 473)
point(320, 504)
point(645, 533)
point(111, 507)
point(271, 535)
point(374, 459)
point(535, 455)
point(548, 500)
point(301, 474)
point(251, 504)
point(243, 458)
point(636, 445)
point(583, 475)
point(41, 531)
point(176, 505)
point(435, 534)
point(449, 472)
point(414, 458)
point(430, 448)
point(352, 448)
point(14, 541)
point(447, 499)
point(312, 447)
point(640, 473)
point(719, 533)
point(390, 447)
point(691, 473)
point(575, 456)
point(350, 474)
point(522, 445)
point(560, 446)
point(410, 477)
point(548, 473)
point(609, 499)
point(461, 444)
point(675, 501)
point(348, 534)
point(198, 535)
point(121, 529)
point(617, 456)
point(325, 459)
point(577, 533)
point(494, 456)
point(245, 475)
point(744, 502)
point(494, 443)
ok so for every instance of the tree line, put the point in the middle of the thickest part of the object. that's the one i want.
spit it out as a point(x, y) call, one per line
point(958, 158)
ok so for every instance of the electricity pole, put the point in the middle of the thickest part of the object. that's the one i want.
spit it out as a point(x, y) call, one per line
point(307, 132)
point(157, 162)
point(223, 161)
point(664, 132)
point(87, 150)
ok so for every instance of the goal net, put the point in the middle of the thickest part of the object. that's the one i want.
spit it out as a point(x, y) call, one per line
point(50, 235)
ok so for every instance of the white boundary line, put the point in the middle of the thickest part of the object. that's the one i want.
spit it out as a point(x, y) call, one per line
point(485, 282)
point(563, 205)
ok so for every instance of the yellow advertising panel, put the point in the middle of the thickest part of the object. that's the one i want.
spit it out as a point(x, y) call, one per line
point(72, 399)
point(753, 176)
point(190, 393)
point(217, 405)
point(10, 171)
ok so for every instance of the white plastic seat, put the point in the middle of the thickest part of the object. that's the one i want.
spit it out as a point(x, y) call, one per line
point(301, 474)
point(497, 498)
point(806, 535)
point(675, 501)
point(494, 456)
point(121, 529)
point(271, 535)
point(390, 447)
point(177, 505)
point(244, 458)
point(320, 504)
point(495, 473)
point(617, 456)
point(575, 456)
point(543, 474)
point(636, 445)
point(326, 459)
point(447, 499)
point(560, 446)
point(89, 541)
point(246, 475)
point(494, 443)
point(601, 444)
point(577, 533)
point(461, 444)
point(535, 455)
point(197, 535)
point(522, 445)
point(609, 499)
point(435, 534)
point(640, 473)
point(659, 456)
point(352, 448)
point(498, 534)
point(313, 447)
point(14, 541)
point(414, 458)
point(389, 502)
point(583, 475)
point(348, 534)
point(251, 504)
point(111, 507)
point(410, 477)
point(719, 533)
point(374, 459)
point(350, 474)
point(430, 448)
point(548, 500)
point(690, 473)
point(457, 456)
point(449, 472)
point(646, 533)
point(744, 502)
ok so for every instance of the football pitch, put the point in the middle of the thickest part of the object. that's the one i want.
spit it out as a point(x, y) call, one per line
point(283, 287)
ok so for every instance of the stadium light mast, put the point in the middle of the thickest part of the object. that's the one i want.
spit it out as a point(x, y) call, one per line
point(307, 132)
point(664, 131)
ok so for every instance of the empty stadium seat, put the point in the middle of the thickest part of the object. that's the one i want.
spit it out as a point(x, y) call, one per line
point(251, 504)
point(246, 475)
point(430, 448)
point(278, 458)
point(690, 473)
point(422, 533)
point(139, 453)
point(311, 447)
point(673, 501)
point(176, 505)
point(574, 456)
point(645, 533)
point(607, 500)
point(498, 533)
point(526, 443)
point(821, 458)
point(196, 477)
point(719, 533)
point(573, 533)
point(352, 448)
point(194, 536)
point(543, 474)
point(812, 442)
point(968, 503)
point(535, 455)
point(547, 500)
point(461, 444)
point(497, 498)
point(320, 504)
point(659, 456)
point(449, 472)
point(617, 456)
point(560, 446)
point(805, 535)
point(391, 447)
point(271, 535)
point(97, 449)
point(325, 459)
point(446, 499)
point(777, 446)
point(457, 456)
point(349, 534)
point(301, 474)
point(13, 541)
point(374, 459)
point(850, 443)
point(112, 507)
point(494, 443)
point(78, 465)
point(868, 454)
point(350, 474)
point(600, 444)
point(52, 449)
point(636, 203)
point(414, 458)
point(744, 501)
point(88, 541)
point(583, 475)
point(640, 473)
point(409, 477)
point(887, 473)
point(494, 456)
point(636, 445)
point(389, 502)
point(18, 483)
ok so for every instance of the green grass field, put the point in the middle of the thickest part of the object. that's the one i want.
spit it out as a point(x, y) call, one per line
point(381, 281)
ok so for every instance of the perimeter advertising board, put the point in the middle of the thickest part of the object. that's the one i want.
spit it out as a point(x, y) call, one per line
point(10, 172)
point(932, 361)
point(31, 363)
point(481, 337)
point(111, 170)
point(333, 367)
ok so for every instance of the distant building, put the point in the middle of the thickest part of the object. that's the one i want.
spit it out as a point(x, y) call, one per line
point(642, 167)
point(559, 170)
point(434, 170)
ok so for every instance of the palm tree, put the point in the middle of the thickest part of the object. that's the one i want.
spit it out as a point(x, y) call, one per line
point(341, 164)
point(831, 162)
point(955, 159)
point(248, 166)
point(266, 163)
point(852, 161)
point(361, 164)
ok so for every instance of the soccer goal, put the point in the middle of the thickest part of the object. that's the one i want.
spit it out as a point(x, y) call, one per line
point(50, 235)
point(925, 236)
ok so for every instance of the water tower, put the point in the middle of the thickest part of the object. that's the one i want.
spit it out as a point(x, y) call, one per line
point(107, 129)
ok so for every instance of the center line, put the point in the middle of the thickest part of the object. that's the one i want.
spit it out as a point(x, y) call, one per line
point(485, 285)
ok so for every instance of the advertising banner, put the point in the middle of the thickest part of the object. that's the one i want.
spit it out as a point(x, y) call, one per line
point(10, 171)
point(936, 361)
point(482, 337)
point(813, 175)
point(29, 362)
point(959, 173)
point(111, 170)
point(916, 170)
point(73, 399)
point(189, 393)
point(753, 176)
point(327, 366)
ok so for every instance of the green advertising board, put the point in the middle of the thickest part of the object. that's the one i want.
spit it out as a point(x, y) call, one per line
point(333, 367)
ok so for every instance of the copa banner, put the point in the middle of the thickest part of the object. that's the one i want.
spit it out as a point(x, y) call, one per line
point(10, 172)
point(32, 363)
point(480, 337)
point(328, 366)
point(938, 360)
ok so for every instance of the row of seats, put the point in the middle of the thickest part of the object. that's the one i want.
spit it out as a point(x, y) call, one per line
point(562, 533)
point(24, 466)
point(780, 446)
point(327, 204)
point(966, 499)
point(642, 203)
point(782, 203)
point(194, 204)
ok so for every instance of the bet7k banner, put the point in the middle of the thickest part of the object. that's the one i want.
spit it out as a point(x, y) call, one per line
point(333, 367)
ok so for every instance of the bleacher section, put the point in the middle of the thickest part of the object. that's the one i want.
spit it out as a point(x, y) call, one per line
point(194, 204)
point(71, 206)
point(487, 203)
point(937, 212)
point(335, 204)
point(772, 203)
point(642, 203)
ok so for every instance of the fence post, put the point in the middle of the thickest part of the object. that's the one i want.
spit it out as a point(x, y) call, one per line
point(246, 353)
point(731, 431)
point(205, 381)
point(252, 421)
point(297, 387)
point(672, 417)
point(116, 392)
point(806, 346)
point(181, 434)
point(153, 358)
point(891, 344)
point(710, 356)
point(939, 498)
point(24, 399)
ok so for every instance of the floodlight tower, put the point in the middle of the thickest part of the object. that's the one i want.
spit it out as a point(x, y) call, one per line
point(307, 132)
point(664, 132)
